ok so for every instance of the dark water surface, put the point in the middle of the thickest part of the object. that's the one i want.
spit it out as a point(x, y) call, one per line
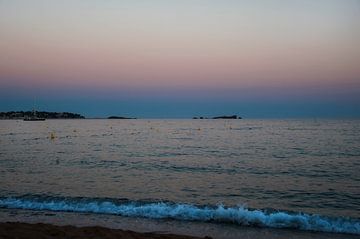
point(301, 174)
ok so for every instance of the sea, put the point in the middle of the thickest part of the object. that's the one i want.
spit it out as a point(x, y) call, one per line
point(222, 178)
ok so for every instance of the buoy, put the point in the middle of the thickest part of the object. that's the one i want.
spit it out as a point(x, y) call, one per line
point(52, 135)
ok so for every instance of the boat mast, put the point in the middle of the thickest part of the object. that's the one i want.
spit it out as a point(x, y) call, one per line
point(34, 111)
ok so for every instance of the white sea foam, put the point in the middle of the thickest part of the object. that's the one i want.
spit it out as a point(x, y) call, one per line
point(221, 214)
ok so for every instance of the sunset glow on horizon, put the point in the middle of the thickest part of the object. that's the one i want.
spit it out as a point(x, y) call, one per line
point(200, 50)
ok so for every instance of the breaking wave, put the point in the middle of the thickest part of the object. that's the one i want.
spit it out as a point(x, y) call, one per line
point(167, 210)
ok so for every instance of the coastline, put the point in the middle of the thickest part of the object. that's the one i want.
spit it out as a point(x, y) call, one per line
point(27, 221)
point(41, 230)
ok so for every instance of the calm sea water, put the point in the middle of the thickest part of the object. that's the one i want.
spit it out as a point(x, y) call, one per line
point(301, 174)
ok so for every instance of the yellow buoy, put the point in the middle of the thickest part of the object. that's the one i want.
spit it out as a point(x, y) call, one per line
point(52, 135)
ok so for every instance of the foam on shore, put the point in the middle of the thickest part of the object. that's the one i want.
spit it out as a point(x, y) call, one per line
point(178, 211)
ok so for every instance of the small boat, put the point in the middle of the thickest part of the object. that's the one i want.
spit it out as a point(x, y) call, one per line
point(32, 118)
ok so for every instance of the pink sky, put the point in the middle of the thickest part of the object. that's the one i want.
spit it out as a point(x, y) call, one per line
point(187, 44)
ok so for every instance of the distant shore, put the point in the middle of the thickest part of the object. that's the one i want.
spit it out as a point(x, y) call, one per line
point(21, 230)
point(40, 114)
point(19, 115)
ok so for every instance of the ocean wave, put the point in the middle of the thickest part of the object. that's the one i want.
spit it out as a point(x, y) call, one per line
point(167, 210)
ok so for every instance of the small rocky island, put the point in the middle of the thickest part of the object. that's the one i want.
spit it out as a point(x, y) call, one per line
point(220, 117)
point(40, 114)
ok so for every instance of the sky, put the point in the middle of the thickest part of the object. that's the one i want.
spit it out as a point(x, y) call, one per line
point(179, 59)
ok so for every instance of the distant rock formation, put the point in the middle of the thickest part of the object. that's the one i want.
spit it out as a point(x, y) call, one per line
point(119, 117)
point(39, 114)
point(220, 117)
point(227, 117)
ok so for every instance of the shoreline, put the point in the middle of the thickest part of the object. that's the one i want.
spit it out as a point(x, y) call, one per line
point(20, 230)
point(61, 224)
point(44, 230)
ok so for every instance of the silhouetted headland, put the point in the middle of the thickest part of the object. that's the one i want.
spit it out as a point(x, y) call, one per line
point(119, 117)
point(40, 114)
point(220, 117)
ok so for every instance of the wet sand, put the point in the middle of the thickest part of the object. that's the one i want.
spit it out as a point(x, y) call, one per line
point(20, 230)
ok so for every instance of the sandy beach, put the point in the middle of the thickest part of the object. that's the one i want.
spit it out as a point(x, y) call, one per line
point(25, 230)
point(20, 230)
